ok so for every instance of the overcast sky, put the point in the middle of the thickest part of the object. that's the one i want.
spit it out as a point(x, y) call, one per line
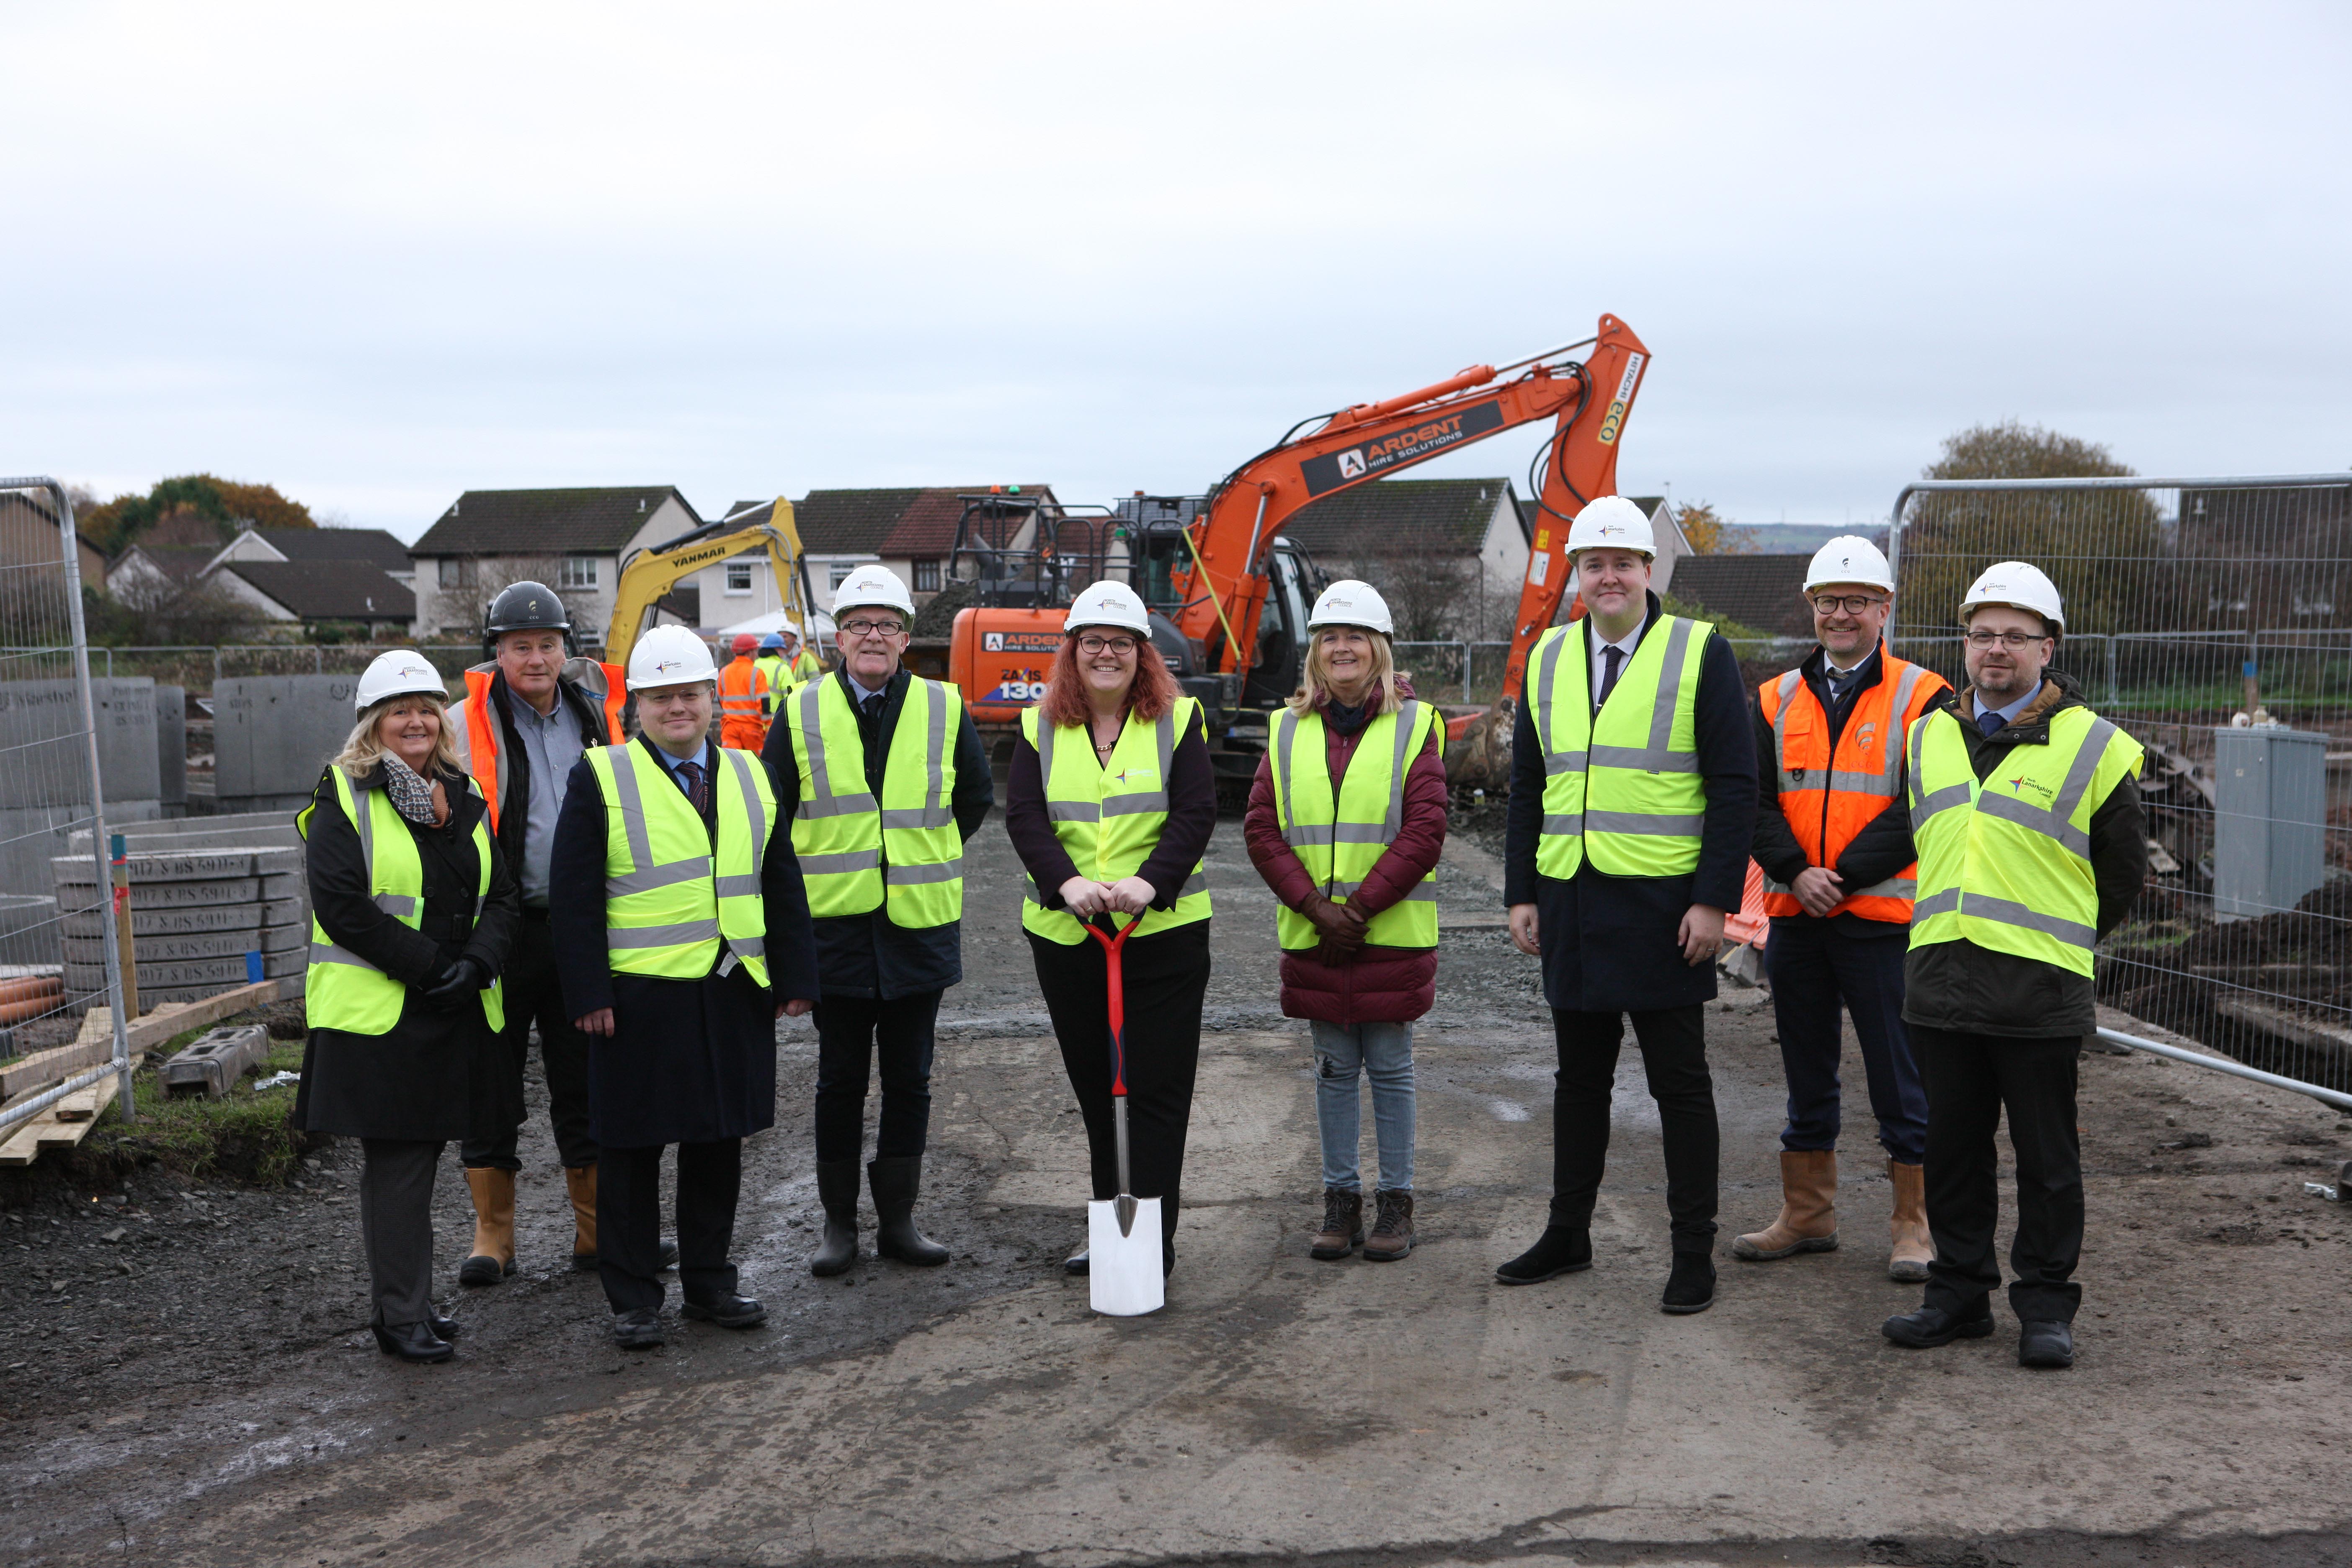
point(381, 258)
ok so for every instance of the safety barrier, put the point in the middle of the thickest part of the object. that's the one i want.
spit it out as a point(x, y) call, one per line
point(2213, 619)
point(50, 783)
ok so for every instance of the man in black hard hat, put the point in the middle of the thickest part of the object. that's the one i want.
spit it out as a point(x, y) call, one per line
point(530, 712)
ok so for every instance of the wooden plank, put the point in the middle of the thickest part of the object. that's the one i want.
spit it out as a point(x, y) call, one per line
point(62, 1125)
point(177, 1018)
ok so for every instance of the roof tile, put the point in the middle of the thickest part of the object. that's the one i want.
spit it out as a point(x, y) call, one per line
point(510, 522)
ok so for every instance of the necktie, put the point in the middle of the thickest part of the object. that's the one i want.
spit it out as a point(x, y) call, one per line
point(873, 707)
point(694, 791)
point(1989, 721)
point(1613, 659)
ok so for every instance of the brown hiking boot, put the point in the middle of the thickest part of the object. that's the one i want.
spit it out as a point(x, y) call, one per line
point(1343, 1225)
point(1807, 1221)
point(1391, 1235)
point(1914, 1247)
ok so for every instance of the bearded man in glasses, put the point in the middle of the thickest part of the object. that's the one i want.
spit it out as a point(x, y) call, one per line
point(1834, 844)
point(883, 777)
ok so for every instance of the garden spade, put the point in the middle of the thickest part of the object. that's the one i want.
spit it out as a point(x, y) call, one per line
point(1124, 1275)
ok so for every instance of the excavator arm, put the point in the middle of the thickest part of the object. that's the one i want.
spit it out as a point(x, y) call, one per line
point(649, 573)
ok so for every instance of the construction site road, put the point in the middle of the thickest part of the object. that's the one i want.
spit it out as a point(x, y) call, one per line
point(1278, 1408)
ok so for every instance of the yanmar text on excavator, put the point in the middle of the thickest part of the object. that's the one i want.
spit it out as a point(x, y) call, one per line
point(1228, 593)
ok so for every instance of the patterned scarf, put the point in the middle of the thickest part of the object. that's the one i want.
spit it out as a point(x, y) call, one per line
point(411, 795)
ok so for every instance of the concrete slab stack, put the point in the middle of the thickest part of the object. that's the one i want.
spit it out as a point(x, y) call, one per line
point(196, 914)
point(273, 733)
point(46, 790)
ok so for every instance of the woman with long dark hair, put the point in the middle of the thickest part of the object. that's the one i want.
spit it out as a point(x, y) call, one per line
point(1110, 807)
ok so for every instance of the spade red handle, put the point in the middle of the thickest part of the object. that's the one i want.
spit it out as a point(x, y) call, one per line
point(1117, 980)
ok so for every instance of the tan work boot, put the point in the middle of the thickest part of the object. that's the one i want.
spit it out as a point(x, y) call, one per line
point(1914, 1248)
point(1391, 1235)
point(580, 1180)
point(492, 1258)
point(1807, 1221)
point(1343, 1225)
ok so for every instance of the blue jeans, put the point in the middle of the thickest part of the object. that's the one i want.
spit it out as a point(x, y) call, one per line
point(1383, 1053)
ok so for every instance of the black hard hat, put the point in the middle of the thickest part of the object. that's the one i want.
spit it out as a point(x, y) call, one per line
point(521, 607)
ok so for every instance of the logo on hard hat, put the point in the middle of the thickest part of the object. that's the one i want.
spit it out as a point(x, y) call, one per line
point(1605, 529)
point(662, 666)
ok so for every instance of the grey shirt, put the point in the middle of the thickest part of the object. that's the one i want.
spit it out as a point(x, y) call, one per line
point(554, 746)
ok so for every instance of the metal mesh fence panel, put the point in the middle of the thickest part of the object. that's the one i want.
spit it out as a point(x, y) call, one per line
point(57, 733)
point(2211, 619)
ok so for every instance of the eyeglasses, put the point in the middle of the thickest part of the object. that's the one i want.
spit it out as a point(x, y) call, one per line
point(1094, 645)
point(871, 628)
point(1852, 603)
point(2010, 641)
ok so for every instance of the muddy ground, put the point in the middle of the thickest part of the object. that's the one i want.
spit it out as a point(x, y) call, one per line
point(187, 1377)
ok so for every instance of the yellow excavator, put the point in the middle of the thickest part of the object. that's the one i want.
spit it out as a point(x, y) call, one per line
point(647, 575)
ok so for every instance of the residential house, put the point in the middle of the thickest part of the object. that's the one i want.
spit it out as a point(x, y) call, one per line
point(573, 539)
point(1445, 553)
point(28, 537)
point(324, 597)
point(1766, 592)
point(145, 573)
point(910, 530)
point(374, 545)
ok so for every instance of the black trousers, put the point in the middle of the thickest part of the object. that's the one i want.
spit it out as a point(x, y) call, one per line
point(1971, 1079)
point(628, 1223)
point(1673, 1054)
point(851, 1032)
point(1815, 966)
point(397, 1225)
point(532, 996)
point(1166, 977)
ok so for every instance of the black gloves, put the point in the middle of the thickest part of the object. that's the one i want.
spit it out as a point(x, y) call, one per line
point(456, 983)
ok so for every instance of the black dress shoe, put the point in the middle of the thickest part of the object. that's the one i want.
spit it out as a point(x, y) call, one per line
point(2045, 1344)
point(1559, 1250)
point(1080, 1263)
point(1691, 1286)
point(412, 1342)
point(638, 1331)
point(1932, 1326)
point(729, 1312)
point(446, 1328)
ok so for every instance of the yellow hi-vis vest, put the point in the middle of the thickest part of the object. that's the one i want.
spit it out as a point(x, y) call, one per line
point(776, 672)
point(855, 851)
point(1622, 788)
point(1340, 840)
point(671, 895)
point(2006, 863)
point(341, 990)
point(1109, 815)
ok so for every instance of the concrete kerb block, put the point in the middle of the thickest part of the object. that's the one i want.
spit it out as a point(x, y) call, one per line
point(271, 734)
point(213, 1063)
point(40, 732)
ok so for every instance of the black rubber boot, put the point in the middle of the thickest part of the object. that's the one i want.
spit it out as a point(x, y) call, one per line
point(1559, 1250)
point(896, 1184)
point(836, 1189)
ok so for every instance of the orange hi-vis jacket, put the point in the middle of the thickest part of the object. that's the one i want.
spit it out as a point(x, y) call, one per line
point(1828, 798)
point(742, 705)
point(482, 740)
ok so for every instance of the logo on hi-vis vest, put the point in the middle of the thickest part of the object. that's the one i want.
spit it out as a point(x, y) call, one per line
point(1614, 420)
point(1332, 470)
point(2021, 783)
point(1135, 776)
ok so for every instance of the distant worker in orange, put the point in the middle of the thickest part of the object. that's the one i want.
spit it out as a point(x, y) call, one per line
point(743, 697)
point(1835, 841)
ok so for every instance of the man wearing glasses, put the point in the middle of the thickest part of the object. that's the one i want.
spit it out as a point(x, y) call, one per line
point(1835, 849)
point(2025, 809)
point(883, 777)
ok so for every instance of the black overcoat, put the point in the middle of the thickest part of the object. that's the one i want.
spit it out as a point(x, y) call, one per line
point(1609, 941)
point(689, 1061)
point(434, 1074)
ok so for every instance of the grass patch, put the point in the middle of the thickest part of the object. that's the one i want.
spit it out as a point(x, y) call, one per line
point(247, 1136)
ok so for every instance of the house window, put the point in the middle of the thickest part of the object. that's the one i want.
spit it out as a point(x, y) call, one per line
point(838, 573)
point(577, 571)
point(927, 576)
point(739, 576)
point(453, 572)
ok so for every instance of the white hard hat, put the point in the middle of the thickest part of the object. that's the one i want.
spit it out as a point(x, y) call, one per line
point(1849, 558)
point(1109, 604)
point(670, 656)
point(1611, 522)
point(789, 630)
point(876, 586)
point(2021, 587)
point(1349, 603)
point(399, 673)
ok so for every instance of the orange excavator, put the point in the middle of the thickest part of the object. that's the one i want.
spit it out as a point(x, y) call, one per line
point(1228, 593)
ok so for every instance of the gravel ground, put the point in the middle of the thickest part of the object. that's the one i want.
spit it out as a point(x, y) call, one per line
point(170, 1346)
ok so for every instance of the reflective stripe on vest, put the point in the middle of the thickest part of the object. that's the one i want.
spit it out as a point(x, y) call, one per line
point(669, 895)
point(1829, 797)
point(1340, 835)
point(1622, 788)
point(779, 677)
point(857, 852)
point(1109, 815)
point(483, 742)
point(341, 990)
point(2006, 863)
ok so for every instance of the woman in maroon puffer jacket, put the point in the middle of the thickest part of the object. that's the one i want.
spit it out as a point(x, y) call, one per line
point(1361, 997)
